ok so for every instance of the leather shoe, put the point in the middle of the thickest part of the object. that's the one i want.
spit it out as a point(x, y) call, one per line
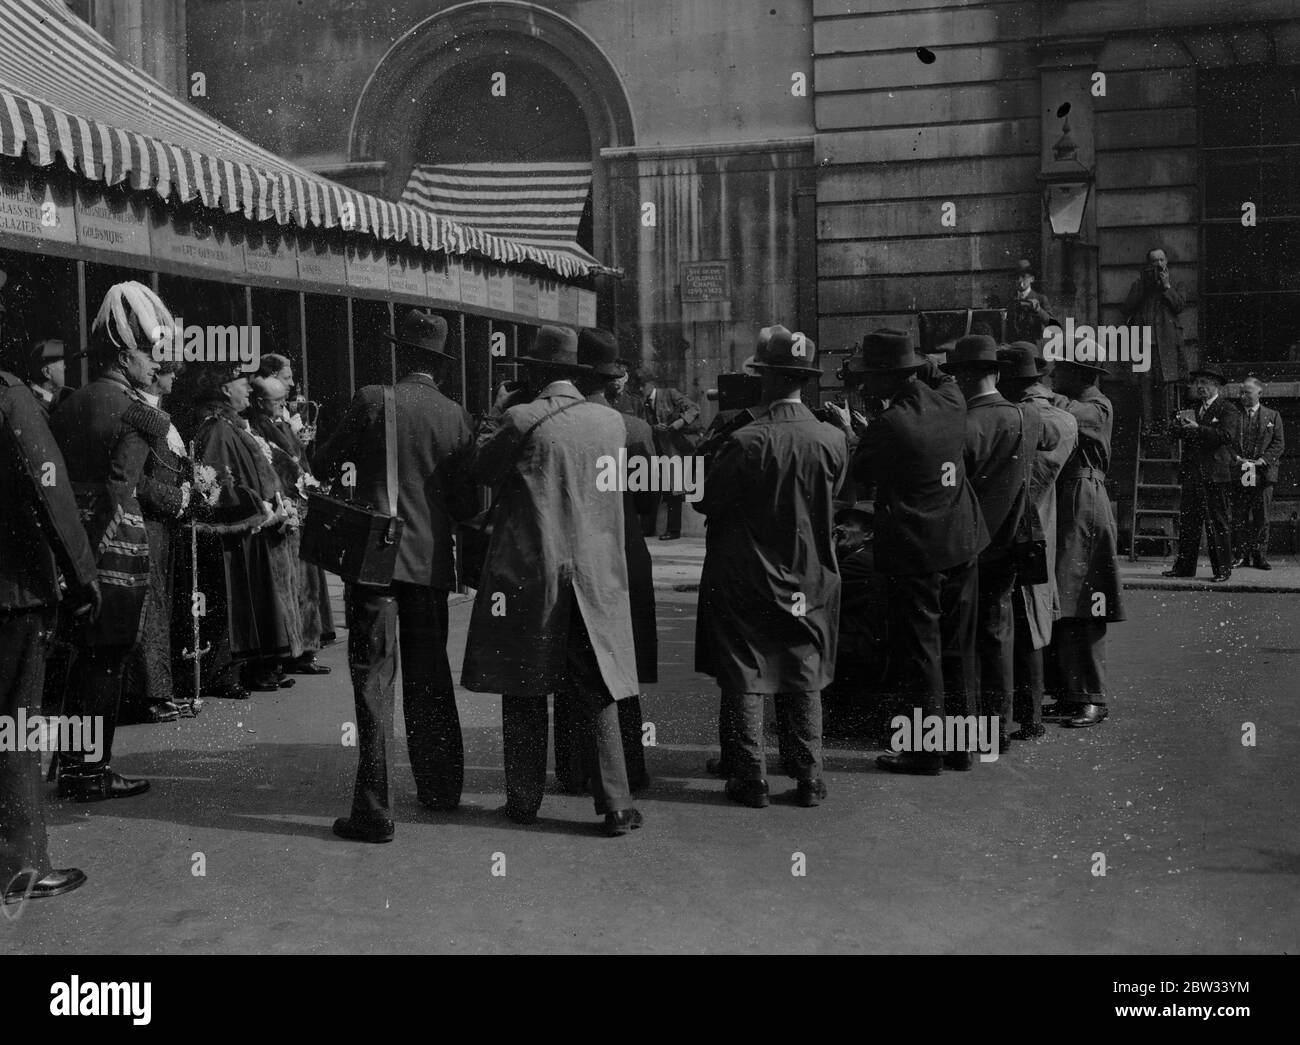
point(670, 536)
point(1178, 573)
point(1238, 562)
point(262, 685)
point(346, 827)
point(306, 665)
point(1061, 709)
point(1032, 732)
point(622, 822)
point(811, 792)
point(961, 761)
point(716, 767)
point(234, 691)
point(99, 785)
point(752, 793)
point(1261, 563)
point(1089, 715)
point(911, 763)
point(56, 883)
point(1221, 576)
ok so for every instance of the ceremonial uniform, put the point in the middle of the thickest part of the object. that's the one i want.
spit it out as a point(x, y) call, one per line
point(40, 534)
point(104, 431)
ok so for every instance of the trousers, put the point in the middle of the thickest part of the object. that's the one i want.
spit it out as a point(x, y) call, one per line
point(1250, 508)
point(95, 689)
point(1081, 659)
point(995, 638)
point(1204, 505)
point(1027, 697)
point(932, 625)
point(570, 736)
point(23, 842)
point(799, 734)
point(524, 733)
point(376, 619)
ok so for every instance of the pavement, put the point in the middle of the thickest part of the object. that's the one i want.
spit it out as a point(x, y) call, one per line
point(677, 566)
point(1196, 832)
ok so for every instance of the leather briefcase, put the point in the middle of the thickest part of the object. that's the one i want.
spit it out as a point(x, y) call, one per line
point(351, 539)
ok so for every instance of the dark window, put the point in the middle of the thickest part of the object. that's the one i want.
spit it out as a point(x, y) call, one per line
point(1250, 152)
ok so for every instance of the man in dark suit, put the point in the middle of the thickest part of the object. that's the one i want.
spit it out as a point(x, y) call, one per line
point(40, 535)
point(434, 492)
point(1030, 311)
point(929, 534)
point(1001, 440)
point(675, 421)
point(1262, 445)
point(1211, 435)
point(46, 378)
point(769, 605)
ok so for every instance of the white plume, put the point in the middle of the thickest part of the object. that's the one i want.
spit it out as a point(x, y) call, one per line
point(129, 307)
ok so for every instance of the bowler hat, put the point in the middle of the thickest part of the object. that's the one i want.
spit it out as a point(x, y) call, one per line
point(1084, 348)
point(864, 509)
point(598, 349)
point(1024, 268)
point(973, 350)
point(889, 350)
point(49, 350)
point(785, 352)
point(1210, 370)
point(557, 347)
point(1021, 359)
point(423, 330)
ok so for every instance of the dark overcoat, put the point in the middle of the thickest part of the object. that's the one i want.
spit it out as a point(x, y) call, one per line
point(769, 603)
point(1001, 440)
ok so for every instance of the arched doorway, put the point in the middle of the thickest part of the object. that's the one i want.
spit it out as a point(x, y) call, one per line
point(431, 100)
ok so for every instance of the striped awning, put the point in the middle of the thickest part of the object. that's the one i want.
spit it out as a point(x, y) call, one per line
point(64, 93)
point(540, 204)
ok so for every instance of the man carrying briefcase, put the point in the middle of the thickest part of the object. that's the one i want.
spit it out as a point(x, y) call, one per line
point(434, 491)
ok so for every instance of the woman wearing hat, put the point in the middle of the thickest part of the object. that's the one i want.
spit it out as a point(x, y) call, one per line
point(244, 568)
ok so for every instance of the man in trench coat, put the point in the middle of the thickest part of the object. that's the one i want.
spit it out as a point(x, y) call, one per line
point(769, 603)
point(598, 349)
point(1087, 574)
point(1036, 606)
point(552, 609)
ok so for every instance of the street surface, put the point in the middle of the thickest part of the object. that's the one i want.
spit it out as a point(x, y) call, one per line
point(1200, 834)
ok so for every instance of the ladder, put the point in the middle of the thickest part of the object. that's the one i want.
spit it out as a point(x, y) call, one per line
point(1156, 492)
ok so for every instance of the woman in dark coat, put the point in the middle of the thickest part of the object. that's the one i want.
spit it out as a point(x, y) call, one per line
point(267, 417)
point(244, 570)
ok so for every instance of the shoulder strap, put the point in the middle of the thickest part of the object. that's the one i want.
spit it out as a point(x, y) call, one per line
point(524, 440)
point(390, 446)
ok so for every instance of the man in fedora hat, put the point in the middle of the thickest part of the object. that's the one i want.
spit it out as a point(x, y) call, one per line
point(553, 610)
point(598, 349)
point(675, 421)
point(1262, 445)
point(1211, 436)
point(1001, 441)
point(929, 533)
point(1030, 311)
point(1024, 381)
point(435, 491)
point(46, 361)
point(1087, 573)
point(769, 601)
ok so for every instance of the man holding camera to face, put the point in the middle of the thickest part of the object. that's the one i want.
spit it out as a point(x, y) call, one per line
point(1155, 301)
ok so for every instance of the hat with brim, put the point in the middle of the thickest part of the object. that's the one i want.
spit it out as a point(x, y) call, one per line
point(50, 350)
point(598, 349)
point(1092, 368)
point(887, 351)
point(785, 352)
point(865, 510)
point(1020, 359)
point(1210, 371)
point(974, 351)
point(556, 347)
point(422, 330)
